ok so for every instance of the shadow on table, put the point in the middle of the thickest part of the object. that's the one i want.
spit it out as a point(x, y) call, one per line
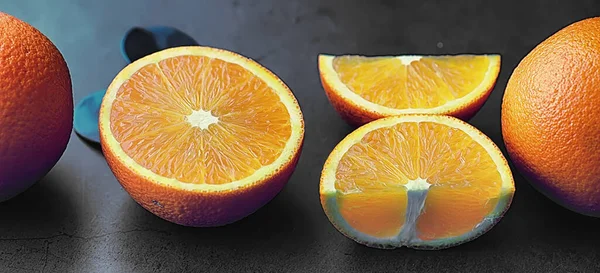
point(91, 144)
point(280, 230)
point(33, 221)
point(46, 206)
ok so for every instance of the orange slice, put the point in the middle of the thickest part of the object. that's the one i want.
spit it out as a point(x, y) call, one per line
point(363, 89)
point(200, 136)
point(422, 181)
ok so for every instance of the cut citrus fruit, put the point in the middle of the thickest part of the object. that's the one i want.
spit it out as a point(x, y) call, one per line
point(200, 136)
point(363, 89)
point(421, 181)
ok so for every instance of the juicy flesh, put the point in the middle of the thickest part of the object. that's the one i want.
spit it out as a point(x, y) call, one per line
point(199, 120)
point(373, 176)
point(410, 82)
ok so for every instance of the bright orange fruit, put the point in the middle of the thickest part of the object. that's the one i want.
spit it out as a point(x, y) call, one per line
point(422, 181)
point(363, 89)
point(36, 106)
point(550, 117)
point(200, 136)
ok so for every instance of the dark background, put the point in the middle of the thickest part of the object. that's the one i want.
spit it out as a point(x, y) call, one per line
point(79, 219)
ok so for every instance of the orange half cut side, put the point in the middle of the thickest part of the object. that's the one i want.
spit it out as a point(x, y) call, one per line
point(191, 128)
point(363, 88)
point(422, 181)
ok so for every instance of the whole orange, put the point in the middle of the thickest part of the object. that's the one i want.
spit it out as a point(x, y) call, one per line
point(551, 117)
point(36, 105)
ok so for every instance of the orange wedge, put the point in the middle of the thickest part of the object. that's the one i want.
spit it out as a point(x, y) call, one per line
point(363, 89)
point(200, 136)
point(421, 181)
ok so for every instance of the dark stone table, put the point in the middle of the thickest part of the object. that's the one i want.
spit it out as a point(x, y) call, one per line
point(79, 219)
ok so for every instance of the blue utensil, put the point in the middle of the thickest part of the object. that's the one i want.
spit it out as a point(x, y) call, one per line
point(85, 121)
point(137, 43)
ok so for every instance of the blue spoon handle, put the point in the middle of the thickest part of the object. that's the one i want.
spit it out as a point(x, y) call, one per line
point(85, 121)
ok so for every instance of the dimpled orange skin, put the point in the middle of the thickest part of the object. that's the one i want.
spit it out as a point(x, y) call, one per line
point(36, 106)
point(357, 115)
point(551, 117)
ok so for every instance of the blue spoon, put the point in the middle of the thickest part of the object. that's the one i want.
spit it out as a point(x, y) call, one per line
point(137, 43)
point(85, 120)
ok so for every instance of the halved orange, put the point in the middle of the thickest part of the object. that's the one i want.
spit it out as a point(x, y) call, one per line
point(200, 136)
point(363, 89)
point(421, 181)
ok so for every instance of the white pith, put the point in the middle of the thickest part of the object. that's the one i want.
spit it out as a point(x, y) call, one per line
point(201, 119)
point(406, 60)
point(416, 192)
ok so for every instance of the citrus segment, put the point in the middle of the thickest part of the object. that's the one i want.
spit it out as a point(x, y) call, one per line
point(450, 212)
point(380, 162)
point(363, 89)
point(365, 211)
point(202, 122)
point(415, 180)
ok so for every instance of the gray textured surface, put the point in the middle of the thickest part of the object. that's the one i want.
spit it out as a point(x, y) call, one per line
point(78, 219)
